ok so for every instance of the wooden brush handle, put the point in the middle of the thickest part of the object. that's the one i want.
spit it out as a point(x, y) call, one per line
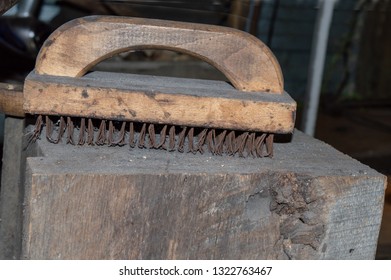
point(78, 45)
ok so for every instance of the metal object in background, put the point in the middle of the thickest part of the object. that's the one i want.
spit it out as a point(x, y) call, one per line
point(5, 5)
point(28, 8)
point(318, 55)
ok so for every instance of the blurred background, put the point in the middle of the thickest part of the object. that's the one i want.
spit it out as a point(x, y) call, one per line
point(335, 56)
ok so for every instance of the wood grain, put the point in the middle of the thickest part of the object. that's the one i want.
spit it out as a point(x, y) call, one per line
point(11, 99)
point(309, 202)
point(78, 45)
point(165, 100)
point(12, 188)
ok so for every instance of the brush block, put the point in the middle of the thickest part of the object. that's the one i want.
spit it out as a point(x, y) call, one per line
point(93, 202)
point(163, 100)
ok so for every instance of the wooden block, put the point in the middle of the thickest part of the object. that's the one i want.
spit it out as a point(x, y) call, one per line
point(12, 189)
point(308, 202)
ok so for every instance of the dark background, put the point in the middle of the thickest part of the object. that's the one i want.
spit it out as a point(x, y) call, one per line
point(355, 104)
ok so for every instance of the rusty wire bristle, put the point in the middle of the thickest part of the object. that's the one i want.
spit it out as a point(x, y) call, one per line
point(154, 136)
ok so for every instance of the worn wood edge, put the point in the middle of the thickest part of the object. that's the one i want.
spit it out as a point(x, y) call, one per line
point(68, 51)
point(26, 237)
point(317, 159)
point(11, 99)
point(12, 189)
point(72, 97)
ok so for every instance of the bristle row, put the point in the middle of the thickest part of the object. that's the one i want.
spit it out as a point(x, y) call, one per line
point(80, 131)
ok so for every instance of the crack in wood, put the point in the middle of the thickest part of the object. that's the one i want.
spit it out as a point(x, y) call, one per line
point(301, 222)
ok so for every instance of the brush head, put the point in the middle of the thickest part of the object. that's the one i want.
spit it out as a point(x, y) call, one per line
point(82, 131)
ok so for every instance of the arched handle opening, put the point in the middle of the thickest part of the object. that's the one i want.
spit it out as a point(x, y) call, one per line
point(78, 45)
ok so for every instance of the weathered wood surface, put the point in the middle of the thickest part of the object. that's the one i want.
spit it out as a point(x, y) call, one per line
point(11, 100)
point(12, 189)
point(188, 102)
point(78, 45)
point(308, 202)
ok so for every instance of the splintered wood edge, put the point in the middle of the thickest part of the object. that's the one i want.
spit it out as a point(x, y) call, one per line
point(78, 45)
point(51, 95)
